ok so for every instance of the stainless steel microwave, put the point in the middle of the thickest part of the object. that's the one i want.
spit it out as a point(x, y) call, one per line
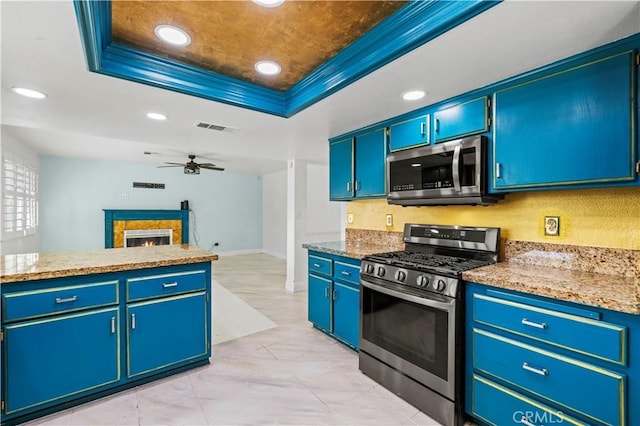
point(453, 172)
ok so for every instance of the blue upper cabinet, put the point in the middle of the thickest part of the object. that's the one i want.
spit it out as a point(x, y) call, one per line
point(371, 157)
point(572, 127)
point(409, 133)
point(357, 166)
point(460, 120)
point(341, 169)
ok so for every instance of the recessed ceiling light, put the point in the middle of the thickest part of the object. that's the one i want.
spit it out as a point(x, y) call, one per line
point(268, 3)
point(173, 35)
point(29, 93)
point(156, 116)
point(268, 67)
point(413, 95)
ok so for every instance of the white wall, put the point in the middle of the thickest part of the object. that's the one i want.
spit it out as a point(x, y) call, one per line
point(13, 147)
point(274, 214)
point(226, 206)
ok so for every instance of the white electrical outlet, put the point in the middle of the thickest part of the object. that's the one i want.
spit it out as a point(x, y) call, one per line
point(350, 218)
point(389, 220)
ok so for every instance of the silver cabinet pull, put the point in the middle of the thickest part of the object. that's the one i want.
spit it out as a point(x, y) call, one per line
point(326, 292)
point(349, 186)
point(498, 174)
point(357, 185)
point(423, 128)
point(335, 294)
point(67, 300)
point(317, 265)
point(113, 325)
point(526, 422)
point(169, 285)
point(347, 273)
point(543, 372)
point(436, 126)
point(540, 325)
point(133, 321)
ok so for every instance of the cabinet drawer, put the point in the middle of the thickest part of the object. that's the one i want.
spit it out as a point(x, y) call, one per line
point(347, 272)
point(595, 338)
point(166, 284)
point(498, 405)
point(560, 379)
point(320, 265)
point(36, 303)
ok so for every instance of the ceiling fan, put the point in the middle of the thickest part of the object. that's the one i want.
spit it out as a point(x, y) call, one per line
point(193, 168)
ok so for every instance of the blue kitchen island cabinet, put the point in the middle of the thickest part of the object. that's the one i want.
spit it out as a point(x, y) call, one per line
point(542, 361)
point(69, 336)
point(570, 127)
point(464, 119)
point(357, 166)
point(334, 296)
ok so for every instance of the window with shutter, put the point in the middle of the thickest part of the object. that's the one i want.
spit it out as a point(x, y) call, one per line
point(19, 198)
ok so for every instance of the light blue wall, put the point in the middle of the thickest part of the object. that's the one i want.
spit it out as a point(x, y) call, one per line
point(227, 206)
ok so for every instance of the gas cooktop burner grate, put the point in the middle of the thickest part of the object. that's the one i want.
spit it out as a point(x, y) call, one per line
point(427, 261)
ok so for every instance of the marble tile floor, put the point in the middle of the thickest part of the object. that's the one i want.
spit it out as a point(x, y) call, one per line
point(273, 369)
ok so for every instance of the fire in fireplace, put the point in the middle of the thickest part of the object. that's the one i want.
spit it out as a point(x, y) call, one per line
point(147, 237)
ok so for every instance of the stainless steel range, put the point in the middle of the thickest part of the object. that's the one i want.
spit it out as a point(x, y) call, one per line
point(411, 315)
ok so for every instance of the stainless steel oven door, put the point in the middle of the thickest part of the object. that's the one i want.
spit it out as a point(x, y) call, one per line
point(410, 332)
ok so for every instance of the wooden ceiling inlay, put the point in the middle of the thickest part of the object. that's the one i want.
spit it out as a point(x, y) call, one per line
point(229, 37)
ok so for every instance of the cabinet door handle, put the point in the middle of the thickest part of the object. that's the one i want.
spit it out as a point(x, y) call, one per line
point(335, 294)
point(349, 186)
point(133, 321)
point(540, 325)
point(423, 128)
point(67, 300)
point(498, 174)
point(169, 285)
point(526, 422)
point(326, 292)
point(347, 273)
point(317, 265)
point(436, 126)
point(113, 325)
point(543, 372)
point(357, 185)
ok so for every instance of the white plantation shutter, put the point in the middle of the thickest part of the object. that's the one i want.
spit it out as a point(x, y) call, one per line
point(19, 198)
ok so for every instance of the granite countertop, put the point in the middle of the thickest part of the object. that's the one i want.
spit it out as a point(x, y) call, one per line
point(35, 266)
point(353, 249)
point(592, 276)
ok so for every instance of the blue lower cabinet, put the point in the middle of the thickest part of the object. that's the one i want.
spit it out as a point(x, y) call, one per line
point(319, 303)
point(50, 360)
point(498, 405)
point(334, 299)
point(165, 332)
point(346, 313)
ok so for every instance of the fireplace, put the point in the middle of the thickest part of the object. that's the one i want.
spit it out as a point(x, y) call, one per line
point(147, 237)
point(145, 226)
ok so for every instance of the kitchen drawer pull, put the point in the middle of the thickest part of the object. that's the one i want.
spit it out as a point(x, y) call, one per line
point(526, 422)
point(169, 285)
point(543, 372)
point(541, 325)
point(498, 174)
point(133, 321)
point(347, 273)
point(67, 300)
point(113, 325)
point(317, 265)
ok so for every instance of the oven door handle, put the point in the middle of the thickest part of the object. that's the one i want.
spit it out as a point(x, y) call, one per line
point(446, 306)
point(455, 168)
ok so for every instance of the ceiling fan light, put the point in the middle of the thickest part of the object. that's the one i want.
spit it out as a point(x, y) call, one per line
point(172, 35)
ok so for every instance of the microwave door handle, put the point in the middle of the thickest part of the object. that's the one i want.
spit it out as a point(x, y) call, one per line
point(455, 168)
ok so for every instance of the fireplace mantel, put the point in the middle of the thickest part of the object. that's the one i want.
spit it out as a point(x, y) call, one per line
point(111, 216)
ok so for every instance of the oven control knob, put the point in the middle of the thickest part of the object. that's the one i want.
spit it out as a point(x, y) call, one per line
point(422, 281)
point(401, 276)
point(440, 285)
point(381, 271)
point(368, 268)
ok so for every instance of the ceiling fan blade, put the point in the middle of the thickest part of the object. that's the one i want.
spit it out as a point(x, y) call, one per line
point(177, 165)
point(211, 167)
point(206, 164)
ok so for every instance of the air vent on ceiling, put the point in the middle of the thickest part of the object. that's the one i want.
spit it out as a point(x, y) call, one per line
point(148, 185)
point(215, 127)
